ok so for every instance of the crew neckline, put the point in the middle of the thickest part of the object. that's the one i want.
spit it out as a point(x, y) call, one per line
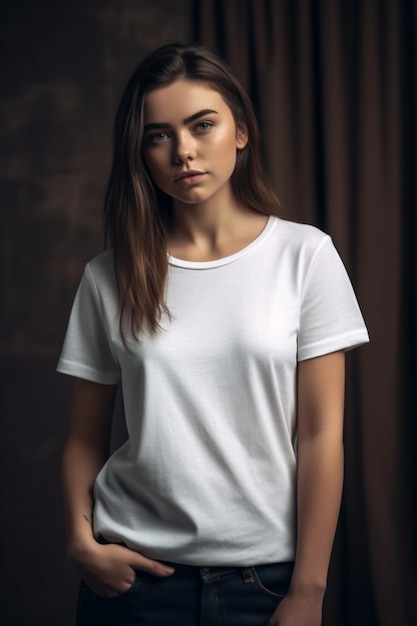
point(204, 265)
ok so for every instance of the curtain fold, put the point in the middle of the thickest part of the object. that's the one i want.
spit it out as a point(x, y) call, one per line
point(334, 86)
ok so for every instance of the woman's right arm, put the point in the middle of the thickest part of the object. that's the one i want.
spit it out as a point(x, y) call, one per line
point(85, 453)
point(108, 569)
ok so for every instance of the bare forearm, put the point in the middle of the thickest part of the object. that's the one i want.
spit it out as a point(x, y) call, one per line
point(320, 478)
point(106, 569)
point(319, 486)
point(80, 466)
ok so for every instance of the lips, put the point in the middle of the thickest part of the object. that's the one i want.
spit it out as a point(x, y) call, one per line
point(190, 176)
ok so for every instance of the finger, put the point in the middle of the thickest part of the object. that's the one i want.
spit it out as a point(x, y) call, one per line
point(156, 568)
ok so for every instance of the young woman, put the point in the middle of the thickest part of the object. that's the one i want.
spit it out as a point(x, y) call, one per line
point(226, 328)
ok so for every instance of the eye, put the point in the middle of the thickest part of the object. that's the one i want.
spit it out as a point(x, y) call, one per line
point(158, 137)
point(203, 127)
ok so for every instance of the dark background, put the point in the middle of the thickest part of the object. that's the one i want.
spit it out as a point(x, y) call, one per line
point(334, 84)
point(63, 67)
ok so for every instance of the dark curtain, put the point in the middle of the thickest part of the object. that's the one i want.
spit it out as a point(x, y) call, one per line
point(334, 85)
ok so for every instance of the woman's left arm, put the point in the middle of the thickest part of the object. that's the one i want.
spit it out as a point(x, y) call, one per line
point(319, 486)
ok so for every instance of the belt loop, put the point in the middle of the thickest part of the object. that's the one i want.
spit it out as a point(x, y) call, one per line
point(247, 575)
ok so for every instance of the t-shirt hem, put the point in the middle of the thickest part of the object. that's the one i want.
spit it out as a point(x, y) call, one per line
point(88, 373)
point(196, 557)
point(344, 342)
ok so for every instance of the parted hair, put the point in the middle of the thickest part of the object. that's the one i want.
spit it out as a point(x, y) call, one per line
point(136, 211)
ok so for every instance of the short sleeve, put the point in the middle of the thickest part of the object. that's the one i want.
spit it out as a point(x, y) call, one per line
point(330, 317)
point(86, 351)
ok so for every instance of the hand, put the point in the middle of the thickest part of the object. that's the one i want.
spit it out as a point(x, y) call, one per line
point(298, 609)
point(109, 570)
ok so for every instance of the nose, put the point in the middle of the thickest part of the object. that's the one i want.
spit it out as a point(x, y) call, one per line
point(184, 148)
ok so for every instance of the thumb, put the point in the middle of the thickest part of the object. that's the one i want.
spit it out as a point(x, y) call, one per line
point(156, 568)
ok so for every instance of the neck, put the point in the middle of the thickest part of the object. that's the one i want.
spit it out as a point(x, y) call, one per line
point(207, 220)
point(212, 230)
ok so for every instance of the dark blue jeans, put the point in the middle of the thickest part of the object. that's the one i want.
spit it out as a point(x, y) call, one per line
point(192, 596)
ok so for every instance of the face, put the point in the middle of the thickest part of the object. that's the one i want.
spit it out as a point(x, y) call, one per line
point(190, 141)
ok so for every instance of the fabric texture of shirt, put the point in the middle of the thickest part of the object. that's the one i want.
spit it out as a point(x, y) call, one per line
point(207, 475)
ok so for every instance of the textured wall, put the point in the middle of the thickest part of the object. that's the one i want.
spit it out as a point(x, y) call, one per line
point(63, 65)
point(63, 68)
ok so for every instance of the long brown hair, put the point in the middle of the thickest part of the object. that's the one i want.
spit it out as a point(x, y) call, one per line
point(136, 211)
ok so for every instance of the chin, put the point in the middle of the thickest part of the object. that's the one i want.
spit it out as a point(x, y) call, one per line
point(190, 200)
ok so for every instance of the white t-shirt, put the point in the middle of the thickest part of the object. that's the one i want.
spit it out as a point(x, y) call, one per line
point(207, 476)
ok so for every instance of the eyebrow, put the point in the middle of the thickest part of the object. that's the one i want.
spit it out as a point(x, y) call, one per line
point(187, 120)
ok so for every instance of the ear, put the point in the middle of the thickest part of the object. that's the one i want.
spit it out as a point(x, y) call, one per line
point(241, 135)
